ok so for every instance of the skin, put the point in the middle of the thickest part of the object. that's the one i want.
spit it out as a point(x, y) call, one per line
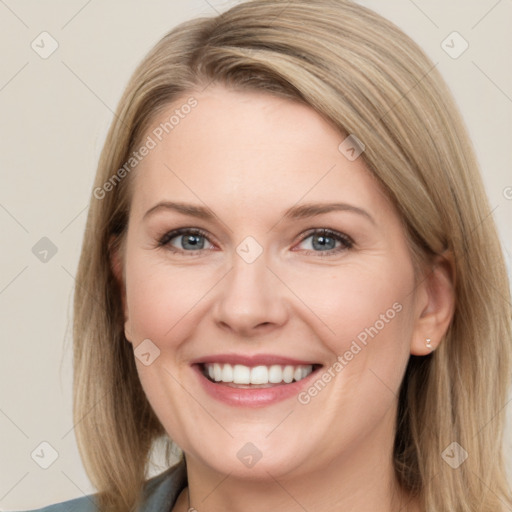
point(249, 156)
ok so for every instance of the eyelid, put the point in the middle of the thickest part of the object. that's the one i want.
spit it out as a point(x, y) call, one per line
point(169, 235)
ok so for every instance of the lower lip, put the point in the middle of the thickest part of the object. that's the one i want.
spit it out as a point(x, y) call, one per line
point(256, 397)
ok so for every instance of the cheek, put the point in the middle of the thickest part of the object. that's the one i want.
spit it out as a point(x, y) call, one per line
point(354, 301)
point(358, 301)
point(369, 312)
point(158, 296)
point(161, 299)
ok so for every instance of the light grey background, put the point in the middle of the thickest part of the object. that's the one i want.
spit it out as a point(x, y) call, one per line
point(54, 116)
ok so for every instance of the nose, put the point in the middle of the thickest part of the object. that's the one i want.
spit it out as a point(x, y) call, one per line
point(251, 300)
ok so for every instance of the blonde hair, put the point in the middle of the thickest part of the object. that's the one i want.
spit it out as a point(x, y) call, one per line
point(368, 78)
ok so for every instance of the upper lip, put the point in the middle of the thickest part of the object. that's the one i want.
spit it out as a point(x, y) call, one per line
point(253, 360)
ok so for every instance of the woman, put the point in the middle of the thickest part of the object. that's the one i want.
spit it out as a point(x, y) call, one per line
point(290, 270)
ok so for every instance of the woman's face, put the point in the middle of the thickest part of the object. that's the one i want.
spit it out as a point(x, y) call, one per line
point(259, 251)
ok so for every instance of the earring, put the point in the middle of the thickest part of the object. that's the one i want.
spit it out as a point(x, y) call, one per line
point(429, 344)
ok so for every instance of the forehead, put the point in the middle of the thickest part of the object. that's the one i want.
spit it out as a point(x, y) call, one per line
point(248, 150)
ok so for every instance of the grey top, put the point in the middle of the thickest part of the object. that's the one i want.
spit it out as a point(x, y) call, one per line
point(160, 494)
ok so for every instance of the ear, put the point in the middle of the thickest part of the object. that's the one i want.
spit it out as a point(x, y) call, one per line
point(435, 305)
point(116, 258)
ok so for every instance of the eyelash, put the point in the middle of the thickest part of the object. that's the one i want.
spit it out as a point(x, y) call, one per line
point(347, 242)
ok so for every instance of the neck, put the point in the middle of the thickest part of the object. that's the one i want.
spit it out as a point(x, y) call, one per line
point(360, 478)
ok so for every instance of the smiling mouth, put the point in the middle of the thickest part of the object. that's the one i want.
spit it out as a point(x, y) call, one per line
point(261, 376)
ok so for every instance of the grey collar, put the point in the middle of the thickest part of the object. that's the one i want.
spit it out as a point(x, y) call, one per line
point(161, 492)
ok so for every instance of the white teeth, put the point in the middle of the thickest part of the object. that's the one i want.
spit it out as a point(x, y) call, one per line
point(240, 374)
point(259, 375)
point(288, 374)
point(217, 372)
point(227, 373)
point(275, 374)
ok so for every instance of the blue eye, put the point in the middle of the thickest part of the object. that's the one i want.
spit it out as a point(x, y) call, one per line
point(327, 241)
point(185, 239)
point(321, 242)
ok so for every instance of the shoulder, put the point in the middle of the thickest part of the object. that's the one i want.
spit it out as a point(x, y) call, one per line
point(160, 493)
point(83, 504)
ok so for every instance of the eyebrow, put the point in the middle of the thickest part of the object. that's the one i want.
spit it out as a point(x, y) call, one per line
point(295, 212)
